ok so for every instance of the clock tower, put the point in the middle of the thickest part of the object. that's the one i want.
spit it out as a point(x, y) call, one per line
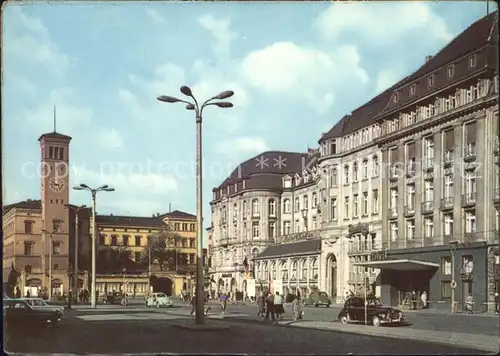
point(55, 216)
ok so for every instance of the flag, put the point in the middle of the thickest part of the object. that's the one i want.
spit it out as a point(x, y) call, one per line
point(245, 264)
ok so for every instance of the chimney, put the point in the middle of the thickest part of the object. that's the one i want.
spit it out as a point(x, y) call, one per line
point(427, 58)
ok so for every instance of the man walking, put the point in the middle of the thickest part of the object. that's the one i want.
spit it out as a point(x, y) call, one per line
point(497, 303)
point(261, 304)
point(270, 306)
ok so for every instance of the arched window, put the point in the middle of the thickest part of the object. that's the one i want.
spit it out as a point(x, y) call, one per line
point(355, 172)
point(375, 168)
point(297, 204)
point(273, 270)
point(283, 270)
point(286, 205)
point(255, 208)
point(314, 200)
point(306, 202)
point(271, 207)
point(346, 174)
point(314, 266)
point(333, 177)
point(294, 270)
point(303, 270)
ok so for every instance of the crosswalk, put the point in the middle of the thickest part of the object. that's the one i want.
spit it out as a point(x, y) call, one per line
point(181, 314)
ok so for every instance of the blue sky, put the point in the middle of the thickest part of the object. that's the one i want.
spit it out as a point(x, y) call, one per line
point(296, 69)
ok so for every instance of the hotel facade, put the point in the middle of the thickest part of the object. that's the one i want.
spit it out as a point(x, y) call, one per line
point(401, 195)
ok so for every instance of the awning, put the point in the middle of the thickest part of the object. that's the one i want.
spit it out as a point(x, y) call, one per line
point(399, 265)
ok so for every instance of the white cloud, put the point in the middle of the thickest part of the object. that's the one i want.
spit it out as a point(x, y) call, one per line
point(381, 23)
point(304, 73)
point(155, 16)
point(110, 138)
point(385, 79)
point(242, 146)
point(222, 34)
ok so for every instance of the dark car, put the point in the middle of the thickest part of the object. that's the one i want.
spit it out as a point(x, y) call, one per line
point(376, 313)
point(317, 299)
point(18, 313)
point(113, 298)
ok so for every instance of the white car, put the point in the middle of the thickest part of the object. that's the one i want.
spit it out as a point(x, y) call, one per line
point(39, 303)
point(159, 300)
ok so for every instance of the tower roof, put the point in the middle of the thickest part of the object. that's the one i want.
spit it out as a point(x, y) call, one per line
point(54, 135)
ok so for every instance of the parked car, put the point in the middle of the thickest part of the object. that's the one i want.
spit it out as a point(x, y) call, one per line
point(113, 298)
point(317, 299)
point(159, 300)
point(39, 303)
point(19, 314)
point(376, 313)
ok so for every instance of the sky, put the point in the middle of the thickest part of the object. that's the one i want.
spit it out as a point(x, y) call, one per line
point(296, 69)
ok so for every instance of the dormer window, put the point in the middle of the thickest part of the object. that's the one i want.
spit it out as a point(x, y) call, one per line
point(450, 71)
point(413, 89)
point(333, 147)
point(430, 80)
point(472, 61)
point(395, 97)
point(287, 182)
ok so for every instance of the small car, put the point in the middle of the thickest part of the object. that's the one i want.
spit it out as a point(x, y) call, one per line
point(376, 313)
point(317, 299)
point(113, 298)
point(39, 303)
point(18, 313)
point(159, 300)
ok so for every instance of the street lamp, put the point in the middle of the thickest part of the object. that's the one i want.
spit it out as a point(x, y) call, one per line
point(76, 210)
point(124, 288)
point(200, 316)
point(103, 188)
point(45, 232)
point(453, 284)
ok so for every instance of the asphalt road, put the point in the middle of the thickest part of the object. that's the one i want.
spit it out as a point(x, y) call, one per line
point(79, 334)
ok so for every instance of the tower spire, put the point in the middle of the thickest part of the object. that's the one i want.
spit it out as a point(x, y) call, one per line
point(55, 119)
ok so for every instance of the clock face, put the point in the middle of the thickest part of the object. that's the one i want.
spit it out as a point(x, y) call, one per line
point(56, 184)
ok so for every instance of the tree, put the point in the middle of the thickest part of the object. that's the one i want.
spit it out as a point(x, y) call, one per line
point(162, 250)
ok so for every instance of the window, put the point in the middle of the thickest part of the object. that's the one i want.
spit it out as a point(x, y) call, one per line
point(413, 88)
point(114, 240)
point(450, 71)
point(286, 206)
point(375, 201)
point(394, 231)
point(428, 148)
point(56, 225)
point(394, 198)
point(28, 226)
point(297, 204)
point(184, 227)
point(445, 290)
point(472, 61)
point(244, 209)
point(51, 152)
point(355, 206)
point(333, 207)
point(255, 230)
point(305, 200)
point(192, 243)
point(255, 208)
point(333, 177)
point(446, 265)
point(395, 97)
point(297, 225)
point(177, 226)
point(448, 186)
point(365, 204)
point(470, 184)
point(271, 230)
point(428, 190)
point(125, 240)
point(272, 207)
point(314, 200)
point(355, 172)
point(430, 80)
point(333, 147)
point(448, 224)
point(137, 240)
point(56, 248)
point(410, 229)
point(286, 227)
point(375, 166)
point(185, 243)
point(28, 248)
point(346, 208)
point(56, 152)
point(102, 239)
point(410, 197)
point(346, 174)
point(470, 222)
point(429, 227)
point(192, 227)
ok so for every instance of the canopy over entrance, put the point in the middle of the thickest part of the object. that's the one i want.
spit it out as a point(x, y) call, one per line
point(399, 265)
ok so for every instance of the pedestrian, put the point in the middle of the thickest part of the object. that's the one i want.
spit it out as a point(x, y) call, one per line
point(28, 294)
point(278, 306)
point(469, 302)
point(18, 293)
point(223, 304)
point(193, 304)
point(270, 306)
point(296, 308)
point(497, 303)
point(423, 298)
point(261, 304)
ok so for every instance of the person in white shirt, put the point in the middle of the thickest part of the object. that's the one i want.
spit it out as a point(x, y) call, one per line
point(278, 306)
point(423, 298)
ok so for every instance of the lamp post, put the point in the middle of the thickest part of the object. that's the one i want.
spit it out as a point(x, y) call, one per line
point(200, 316)
point(453, 284)
point(103, 188)
point(124, 288)
point(76, 210)
point(45, 232)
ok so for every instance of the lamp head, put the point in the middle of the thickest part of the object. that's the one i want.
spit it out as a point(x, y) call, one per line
point(224, 95)
point(109, 189)
point(167, 99)
point(77, 187)
point(84, 186)
point(224, 104)
point(186, 91)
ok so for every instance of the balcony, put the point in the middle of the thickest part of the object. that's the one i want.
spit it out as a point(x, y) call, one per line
point(447, 203)
point(409, 210)
point(496, 197)
point(427, 207)
point(428, 165)
point(471, 237)
point(468, 200)
point(470, 152)
point(448, 158)
point(392, 213)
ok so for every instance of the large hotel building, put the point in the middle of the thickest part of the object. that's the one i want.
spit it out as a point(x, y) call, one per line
point(401, 195)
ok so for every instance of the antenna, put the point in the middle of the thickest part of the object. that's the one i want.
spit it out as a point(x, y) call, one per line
point(55, 120)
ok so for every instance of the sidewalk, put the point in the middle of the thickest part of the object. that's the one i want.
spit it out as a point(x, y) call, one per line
point(482, 342)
